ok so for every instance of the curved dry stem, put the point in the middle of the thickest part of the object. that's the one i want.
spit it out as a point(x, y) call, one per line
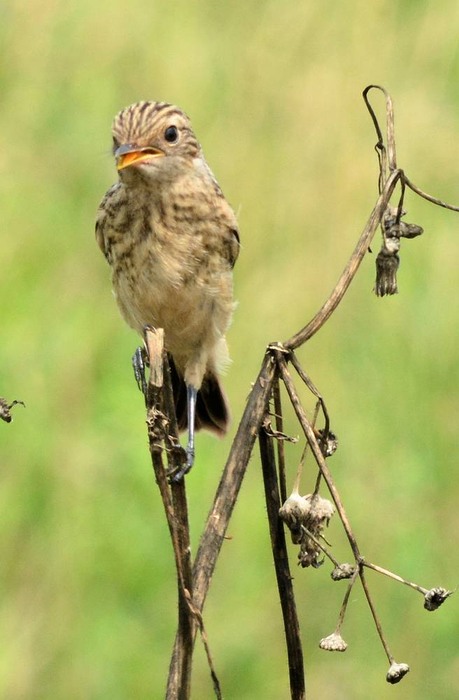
point(424, 195)
point(384, 167)
point(351, 268)
point(380, 142)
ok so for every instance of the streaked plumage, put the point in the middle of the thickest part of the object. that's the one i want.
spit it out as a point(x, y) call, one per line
point(171, 239)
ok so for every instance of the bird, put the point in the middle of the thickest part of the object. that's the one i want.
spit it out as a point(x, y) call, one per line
point(171, 240)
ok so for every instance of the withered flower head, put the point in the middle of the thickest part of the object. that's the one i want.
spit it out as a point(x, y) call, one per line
point(293, 512)
point(386, 273)
point(396, 672)
point(436, 597)
point(306, 516)
point(319, 512)
point(342, 571)
point(334, 642)
point(328, 443)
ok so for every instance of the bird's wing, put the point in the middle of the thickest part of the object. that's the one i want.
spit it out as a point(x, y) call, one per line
point(230, 231)
point(234, 245)
point(103, 218)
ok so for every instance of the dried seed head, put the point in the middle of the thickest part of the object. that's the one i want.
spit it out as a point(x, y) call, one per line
point(334, 642)
point(342, 571)
point(293, 512)
point(390, 216)
point(309, 554)
point(319, 512)
point(388, 261)
point(436, 597)
point(394, 227)
point(305, 516)
point(328, 443)
point(396, 672)
point(391, 245)
point(386, 272)
point(406, 230)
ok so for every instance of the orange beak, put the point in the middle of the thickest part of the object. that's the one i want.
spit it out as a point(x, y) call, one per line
point(128, 154)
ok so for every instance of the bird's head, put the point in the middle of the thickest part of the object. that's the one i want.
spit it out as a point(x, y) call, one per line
point(151, 138)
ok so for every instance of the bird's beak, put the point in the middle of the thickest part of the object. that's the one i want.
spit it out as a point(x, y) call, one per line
point(130, 154)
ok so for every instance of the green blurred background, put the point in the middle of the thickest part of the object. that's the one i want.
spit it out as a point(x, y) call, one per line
point(87, 582)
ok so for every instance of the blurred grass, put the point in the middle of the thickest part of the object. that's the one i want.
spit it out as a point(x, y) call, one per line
point(273, 89)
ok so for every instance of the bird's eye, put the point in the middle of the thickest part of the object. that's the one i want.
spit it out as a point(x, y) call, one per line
point(171, 134)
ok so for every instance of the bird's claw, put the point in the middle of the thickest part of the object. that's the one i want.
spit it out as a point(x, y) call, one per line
point(139, 363)
point(179, 472)
point(189, 456)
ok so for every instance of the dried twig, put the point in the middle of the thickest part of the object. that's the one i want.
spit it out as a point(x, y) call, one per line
point(284, 578)
point(217, 522)
point(5, 409)
point(349, 271)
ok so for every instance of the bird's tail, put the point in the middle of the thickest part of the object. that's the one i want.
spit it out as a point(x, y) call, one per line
point(212, 410)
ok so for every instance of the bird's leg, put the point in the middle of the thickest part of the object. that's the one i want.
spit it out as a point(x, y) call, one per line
point(191, 393)
point(139, 363)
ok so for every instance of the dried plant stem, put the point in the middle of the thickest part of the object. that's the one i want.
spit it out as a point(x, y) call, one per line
point(349, 588)
point(350, 270)
point(326, 474)
point(163, 426)
point(312, 388)
point(299, 471)
point(217, 522)
point(280, 443)
point(318, 456)
point(395, 577)
point(387, 161)
point(281, 565)
point(175, 506)
point(378, 625)
point(424, 195)
point(180, 667)
point(320, 545)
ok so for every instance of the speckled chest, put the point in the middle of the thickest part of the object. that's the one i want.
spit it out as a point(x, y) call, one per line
point(168, 252)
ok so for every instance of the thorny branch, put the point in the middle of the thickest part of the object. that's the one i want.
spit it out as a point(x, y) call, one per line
point(306, 516)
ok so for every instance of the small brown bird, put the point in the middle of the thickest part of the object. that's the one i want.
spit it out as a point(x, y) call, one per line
point(172, 239)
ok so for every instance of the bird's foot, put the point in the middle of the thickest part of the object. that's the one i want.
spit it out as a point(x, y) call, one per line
point(139, 364)
point(179, 472)
point(189, 456)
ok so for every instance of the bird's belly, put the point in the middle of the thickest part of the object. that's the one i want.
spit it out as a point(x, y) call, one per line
point(194, 310)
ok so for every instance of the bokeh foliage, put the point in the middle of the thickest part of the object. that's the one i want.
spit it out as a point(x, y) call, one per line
point(273, 88)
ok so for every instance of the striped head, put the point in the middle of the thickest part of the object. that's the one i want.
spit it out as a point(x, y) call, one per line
point(150, 134)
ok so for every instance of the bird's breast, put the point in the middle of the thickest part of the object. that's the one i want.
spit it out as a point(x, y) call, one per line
point(168, 272)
